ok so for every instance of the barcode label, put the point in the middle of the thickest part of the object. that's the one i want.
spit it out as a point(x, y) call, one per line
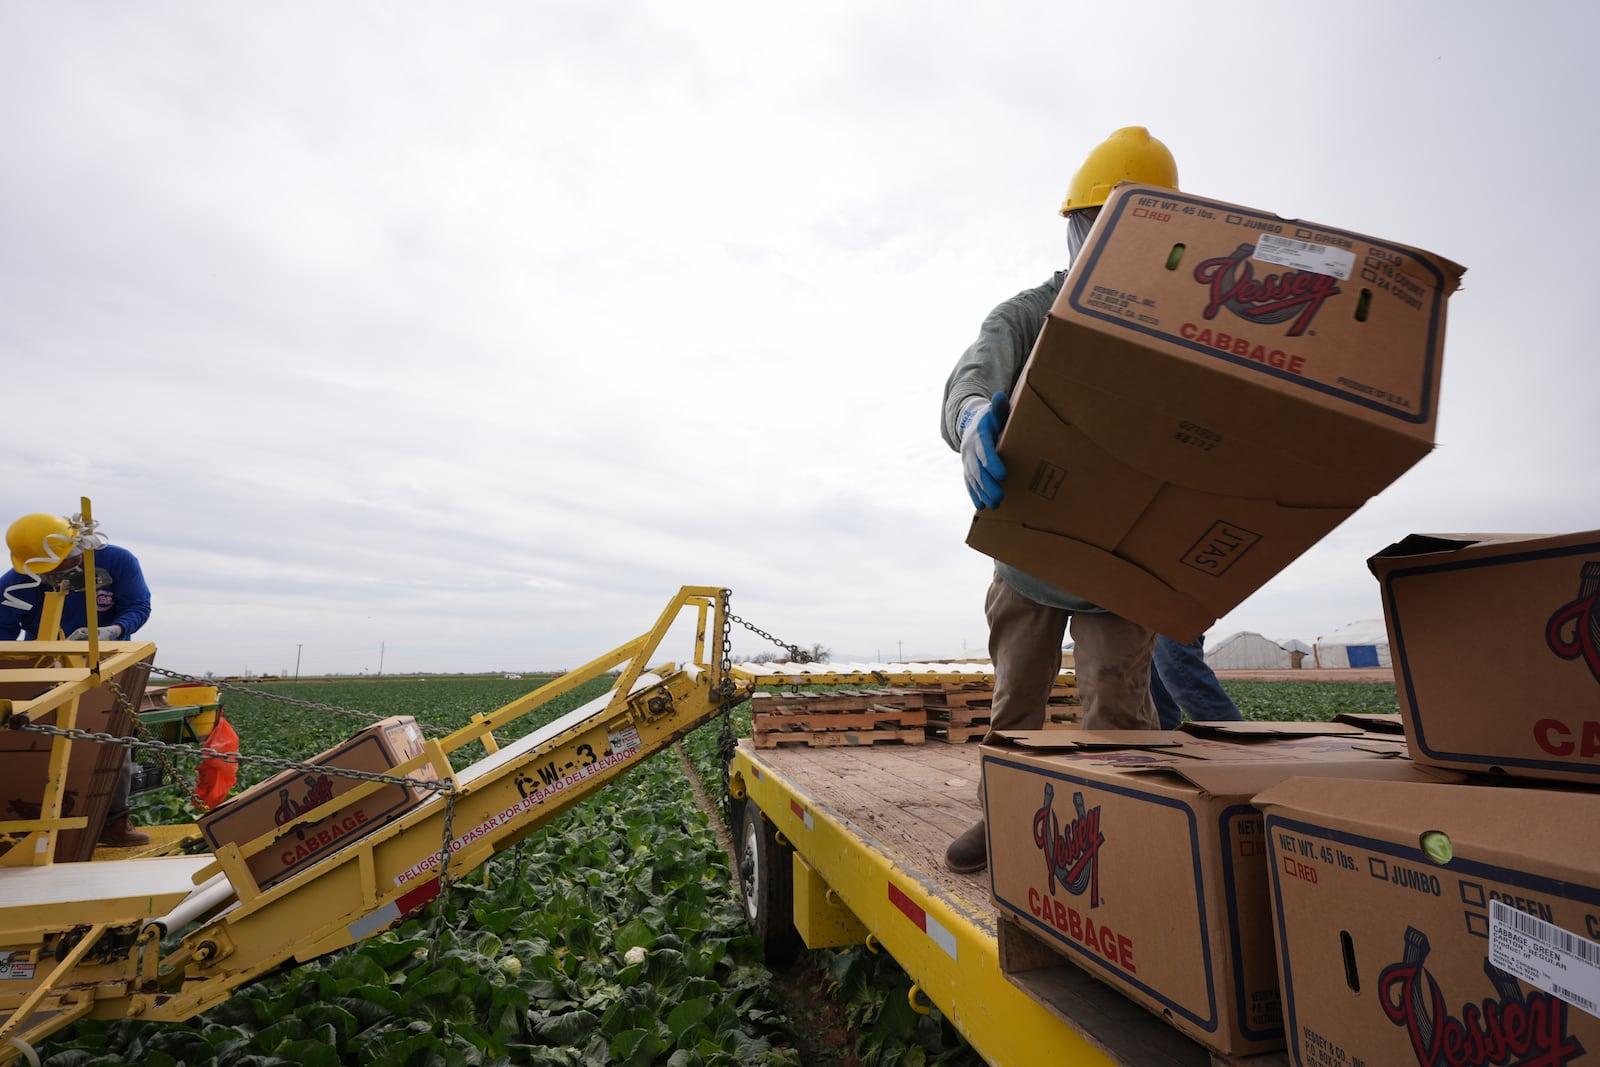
point(1545, 955)
point(1306, 255)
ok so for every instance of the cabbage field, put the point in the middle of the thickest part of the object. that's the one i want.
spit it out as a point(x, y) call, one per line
point(613, 936)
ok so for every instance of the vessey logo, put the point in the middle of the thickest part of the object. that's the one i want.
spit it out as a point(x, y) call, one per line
point(319, 790)
point(1272, 298)
point(1574, 630)
point(1071, 856)
point(1507, 1029)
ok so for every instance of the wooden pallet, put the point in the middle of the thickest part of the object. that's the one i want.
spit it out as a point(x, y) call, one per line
point(957, 726)
point(868, 718)
point(956, 735)
point(983, 696)
point(978, 698)
point(835, 700)
point(844, 717)
point(968, 716)
point(835, 738)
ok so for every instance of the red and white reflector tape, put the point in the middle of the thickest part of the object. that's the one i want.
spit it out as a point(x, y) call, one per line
point(935, 930)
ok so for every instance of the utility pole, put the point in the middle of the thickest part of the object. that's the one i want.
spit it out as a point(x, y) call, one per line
point(380, 657)
point(900, 650)
point(297, 663)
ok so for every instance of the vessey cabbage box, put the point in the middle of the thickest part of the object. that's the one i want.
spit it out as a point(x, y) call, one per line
point(1495, 640)
point(1433, 925)
point(1215, 389)
point(1137, 856)
point(279, 802)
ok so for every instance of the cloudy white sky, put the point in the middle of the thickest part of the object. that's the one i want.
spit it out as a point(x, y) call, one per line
point(458, 337)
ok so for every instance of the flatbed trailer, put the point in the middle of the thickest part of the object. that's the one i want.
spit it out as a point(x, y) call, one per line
point(864, 829)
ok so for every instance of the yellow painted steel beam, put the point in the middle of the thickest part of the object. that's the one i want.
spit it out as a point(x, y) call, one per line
point(381, 877)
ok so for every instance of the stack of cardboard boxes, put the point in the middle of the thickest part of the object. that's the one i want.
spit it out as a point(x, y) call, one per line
point(1139, 856)
point(1458, 923)
point(1215, 390)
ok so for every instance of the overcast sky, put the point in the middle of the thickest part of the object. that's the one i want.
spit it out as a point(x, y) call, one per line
point(459, 336)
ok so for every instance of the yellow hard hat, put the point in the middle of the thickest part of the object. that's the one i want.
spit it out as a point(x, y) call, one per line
point(1128, 155)
point(39, 536)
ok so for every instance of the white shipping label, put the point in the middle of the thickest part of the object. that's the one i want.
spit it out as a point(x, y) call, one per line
point(624, 740)
point(1546, 956)
point(1306, 255)
point(15, 967)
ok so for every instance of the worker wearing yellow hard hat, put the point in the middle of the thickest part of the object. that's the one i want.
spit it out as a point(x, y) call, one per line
point(1029, 618)
point(48, 546)
point(1128, 155)
point(39, 543)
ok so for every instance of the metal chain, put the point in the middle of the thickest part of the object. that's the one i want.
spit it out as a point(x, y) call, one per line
point(167, 767)
point(728, 694)
point(727, 742)
point(796, 653)
point(366, 716)
point(444, 875)
point(435, 785)
point(237, 758)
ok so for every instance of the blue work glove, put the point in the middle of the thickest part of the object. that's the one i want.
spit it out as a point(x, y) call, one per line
point(980, 425)
point(107, 633)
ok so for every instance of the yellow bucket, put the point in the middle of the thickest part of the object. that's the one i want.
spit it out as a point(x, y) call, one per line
point(203, 698)
point(202, 723)
point(183, 696)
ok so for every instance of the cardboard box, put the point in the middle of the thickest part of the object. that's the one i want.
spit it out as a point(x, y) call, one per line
point(277, 802)
point(92, 769)
point(1293, 740)
point(1495, 640)
point(1479, 950)
point(1378, 722)
point(1137, 856)
point(1216, 388)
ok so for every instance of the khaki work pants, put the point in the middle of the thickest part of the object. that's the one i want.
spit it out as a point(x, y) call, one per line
point(1111, 657)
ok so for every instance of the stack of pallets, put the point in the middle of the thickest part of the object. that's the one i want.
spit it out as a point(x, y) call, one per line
point(960, 713)
point(838, 717)
point(826, 704)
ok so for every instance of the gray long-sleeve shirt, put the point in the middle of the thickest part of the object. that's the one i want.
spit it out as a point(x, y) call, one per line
point(993, 363)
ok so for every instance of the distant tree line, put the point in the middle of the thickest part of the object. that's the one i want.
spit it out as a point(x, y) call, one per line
point(815, 654)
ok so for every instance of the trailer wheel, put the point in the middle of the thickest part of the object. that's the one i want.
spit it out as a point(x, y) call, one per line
point(766, 878)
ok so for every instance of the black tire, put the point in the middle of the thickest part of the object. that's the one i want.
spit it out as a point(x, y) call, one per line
point(766, 879)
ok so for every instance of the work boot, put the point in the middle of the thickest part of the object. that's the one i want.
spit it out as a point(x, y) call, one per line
point(969, 852)
point(119, 833)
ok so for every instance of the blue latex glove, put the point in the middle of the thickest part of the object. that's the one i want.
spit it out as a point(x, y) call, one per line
point(107, 633)
point(980, 426)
